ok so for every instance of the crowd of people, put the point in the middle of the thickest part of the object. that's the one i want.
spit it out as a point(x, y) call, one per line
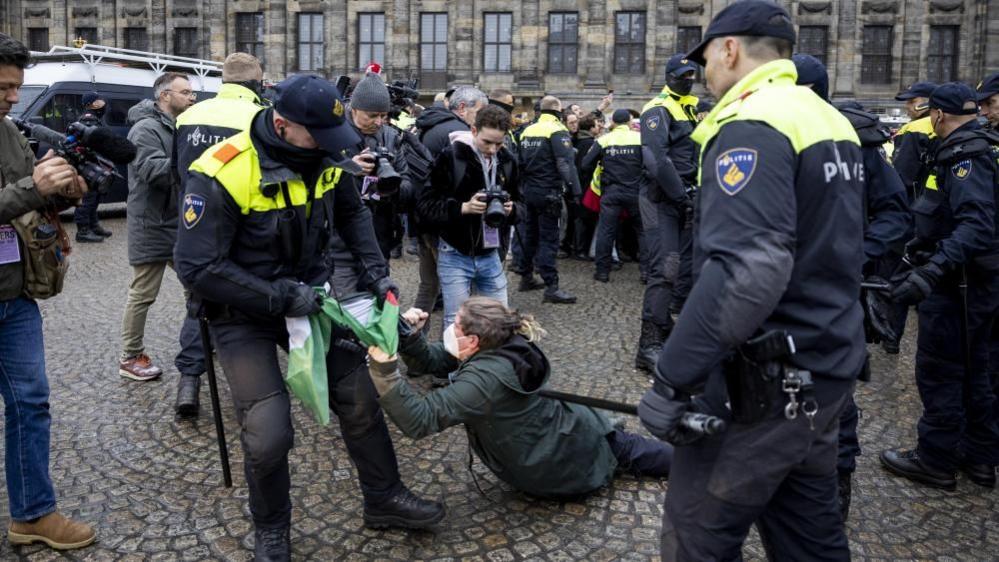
point(775, 230)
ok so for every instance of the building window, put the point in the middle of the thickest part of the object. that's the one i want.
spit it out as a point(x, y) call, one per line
point(310, 41)
point(433, 42)
point(563, 42)
point(498, 44)
point(370, 39)
point(629, 43)
point(941, 58)
point(38, 39)
point(88, 34)
point(136, 39)
point(876, 53)
point(250, 34)
point(687, 38)
point(814, 40)
point(185, 42)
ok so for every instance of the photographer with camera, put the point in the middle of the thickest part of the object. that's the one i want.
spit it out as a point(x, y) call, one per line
point(467, 203)
point(542, 446)
point(26, 191)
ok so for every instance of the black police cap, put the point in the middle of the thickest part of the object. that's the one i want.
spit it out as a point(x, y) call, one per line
point(916, 90)
point(954, 98)
point(757, 18)
point(988, 87)
point(678, 65)
point(316, 104)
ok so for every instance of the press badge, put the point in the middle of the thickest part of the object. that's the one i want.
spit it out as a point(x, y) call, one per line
point(490, 236)
point(10, 249)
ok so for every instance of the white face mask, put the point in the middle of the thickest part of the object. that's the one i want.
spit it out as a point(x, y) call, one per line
point(451, 342)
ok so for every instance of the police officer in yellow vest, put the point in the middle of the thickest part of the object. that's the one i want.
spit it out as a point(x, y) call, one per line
point(547, 162)
point(913, 140)
point(255, 228)
point(777, 259)
point(670, 160)
point(202, 125)
point(619, 152)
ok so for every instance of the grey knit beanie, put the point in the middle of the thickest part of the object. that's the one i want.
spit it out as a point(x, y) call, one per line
point(370, 94)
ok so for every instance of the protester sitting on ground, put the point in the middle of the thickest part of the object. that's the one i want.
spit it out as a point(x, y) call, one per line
point(538, 445)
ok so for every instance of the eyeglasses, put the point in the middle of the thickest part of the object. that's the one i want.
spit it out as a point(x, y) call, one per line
point(185, 93)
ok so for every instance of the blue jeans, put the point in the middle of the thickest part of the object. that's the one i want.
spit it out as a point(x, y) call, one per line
point(459, 273)
point(25, 392)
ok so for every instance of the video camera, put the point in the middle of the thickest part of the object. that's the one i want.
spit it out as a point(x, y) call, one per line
point(389, 180)
point(404, 93)
point(495, 213)
point(93, 151)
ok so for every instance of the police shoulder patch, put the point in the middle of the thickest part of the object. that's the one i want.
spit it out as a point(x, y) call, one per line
point(961, 170)
point(652, 123)
point(734, 168)
point(194, 209)
point(567, 142)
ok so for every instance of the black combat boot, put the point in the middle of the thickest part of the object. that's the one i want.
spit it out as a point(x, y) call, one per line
point(101, 231)
point(405, 510)
point(530, 283)
point(981, 474)
point(188, 401)
point(557, 296)
point(87, 236)
point(272, 545)
point(845, 482)
point(909, 465)
point(650, 343)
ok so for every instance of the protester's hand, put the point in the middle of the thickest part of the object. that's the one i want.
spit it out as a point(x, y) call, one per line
point(54, 176)
point(366, 161)
point(917, 284)
point(383, 370)
point(416, 318)
point(299, 300)
point(662, 417)
point(605, 103)
point(383, 287)
point(474, 206)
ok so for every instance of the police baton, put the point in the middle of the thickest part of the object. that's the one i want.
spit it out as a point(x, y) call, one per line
point(876, 286)
point(965, 335)
point(698, 423)
point(213, 388)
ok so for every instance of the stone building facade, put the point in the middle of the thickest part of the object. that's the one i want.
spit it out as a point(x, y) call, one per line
point(576, 49)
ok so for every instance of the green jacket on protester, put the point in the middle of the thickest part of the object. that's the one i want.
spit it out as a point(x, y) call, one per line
point(541, 446)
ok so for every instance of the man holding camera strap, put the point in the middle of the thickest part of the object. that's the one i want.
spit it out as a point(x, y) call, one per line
point(469, 198)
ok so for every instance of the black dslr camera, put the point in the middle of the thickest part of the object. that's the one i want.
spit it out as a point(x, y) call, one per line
point(495, 213)
point(389, 180)
point(93, 151)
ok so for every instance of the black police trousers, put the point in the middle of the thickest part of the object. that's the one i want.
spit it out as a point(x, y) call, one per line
point(849, 442)
point(778, 474)
point(661, 223)
point(685, 271)
point(613, 202)
point(248, 353)
point(958, 418)
point(541, 235)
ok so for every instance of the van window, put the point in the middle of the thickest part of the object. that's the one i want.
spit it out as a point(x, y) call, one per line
point(117, 113)
point(61, 110)
point(25, 97)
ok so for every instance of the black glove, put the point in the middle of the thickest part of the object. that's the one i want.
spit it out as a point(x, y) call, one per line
point(877, 313)
point(917, 284)
point(383, 287)
point(918, 251)
point(299, 299)
point(662, 415)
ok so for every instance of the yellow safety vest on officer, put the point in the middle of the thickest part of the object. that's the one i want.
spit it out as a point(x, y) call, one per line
point(547, 157)
point(213, 120)
point(912, 141)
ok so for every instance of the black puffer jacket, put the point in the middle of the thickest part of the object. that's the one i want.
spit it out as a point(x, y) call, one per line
point(435, 125)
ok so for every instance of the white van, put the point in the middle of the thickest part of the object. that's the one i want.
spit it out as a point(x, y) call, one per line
point(54, 87)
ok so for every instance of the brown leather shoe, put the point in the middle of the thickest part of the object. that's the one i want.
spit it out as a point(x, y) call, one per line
point(139, 368)
point(55, 530)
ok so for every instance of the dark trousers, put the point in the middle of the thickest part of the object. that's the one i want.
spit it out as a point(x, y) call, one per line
point(191, 359)
point(849, 443)
point(430, 283)
point(85, 215)
point(639, 455)
point(778, 474)
point(958, 406)
point(248, 353)
point(886, 268)
point(685, 272)
point(661, 229)
point(994, 366)
point(579, 231)
point(540, 235)
point(612, 204)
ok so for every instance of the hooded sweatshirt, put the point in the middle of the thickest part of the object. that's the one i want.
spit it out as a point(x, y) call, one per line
point(541, 446)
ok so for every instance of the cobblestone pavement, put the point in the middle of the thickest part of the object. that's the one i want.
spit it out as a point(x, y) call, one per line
point(152, 483)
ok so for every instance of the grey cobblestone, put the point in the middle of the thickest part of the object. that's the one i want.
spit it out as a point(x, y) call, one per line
point(151, 483)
